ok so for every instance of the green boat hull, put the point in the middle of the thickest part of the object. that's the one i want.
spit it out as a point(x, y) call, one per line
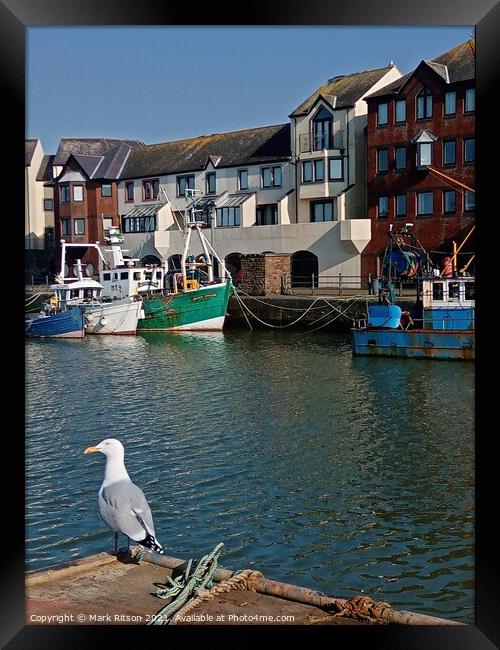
point(202, 309)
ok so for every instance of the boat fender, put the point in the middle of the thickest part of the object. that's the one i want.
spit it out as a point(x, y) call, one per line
point(89, 318)
point(104, 320)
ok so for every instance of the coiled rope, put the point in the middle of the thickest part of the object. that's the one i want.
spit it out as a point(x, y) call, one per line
point(182, 588)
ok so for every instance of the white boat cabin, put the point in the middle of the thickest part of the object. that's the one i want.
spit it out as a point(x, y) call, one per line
point(448, 292)
point(80, 292)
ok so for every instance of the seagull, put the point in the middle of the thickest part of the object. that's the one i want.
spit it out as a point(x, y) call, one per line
point(122, 505)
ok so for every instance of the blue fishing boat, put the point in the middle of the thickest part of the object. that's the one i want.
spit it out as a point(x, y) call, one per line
point(441, 322)
point(64, 324)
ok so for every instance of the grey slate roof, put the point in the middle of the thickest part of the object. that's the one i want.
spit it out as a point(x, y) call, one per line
point(266, 144)
point(29, 150)
point(105, 167)
point(45, 171)
point(460, 66)
point(347, 89)
point(88, 147)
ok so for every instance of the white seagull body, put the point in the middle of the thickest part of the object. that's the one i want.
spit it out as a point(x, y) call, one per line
point(122, 505)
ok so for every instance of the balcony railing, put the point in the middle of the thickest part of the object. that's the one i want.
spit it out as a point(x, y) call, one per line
point(310, 142)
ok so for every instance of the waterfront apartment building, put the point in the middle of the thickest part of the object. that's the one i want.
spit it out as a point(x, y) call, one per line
point(85, 178)
point(38, 211)
point(295, 188)
point(426, 117)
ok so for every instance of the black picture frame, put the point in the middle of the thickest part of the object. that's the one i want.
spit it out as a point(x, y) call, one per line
point(15, 16)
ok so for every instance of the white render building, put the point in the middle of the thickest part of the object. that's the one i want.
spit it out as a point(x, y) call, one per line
point(296, 188)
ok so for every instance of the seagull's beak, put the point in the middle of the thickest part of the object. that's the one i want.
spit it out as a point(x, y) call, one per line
point(91, 450)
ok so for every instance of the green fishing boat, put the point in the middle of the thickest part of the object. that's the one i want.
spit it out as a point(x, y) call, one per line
point(191, 298)
point(201, 308)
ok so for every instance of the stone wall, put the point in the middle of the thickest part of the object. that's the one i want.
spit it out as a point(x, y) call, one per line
point(263, 274)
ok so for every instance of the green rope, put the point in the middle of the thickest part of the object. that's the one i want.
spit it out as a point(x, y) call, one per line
point(183, 587)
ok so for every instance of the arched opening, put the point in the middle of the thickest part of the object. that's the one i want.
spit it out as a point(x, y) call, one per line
point(150, 259)
point(174, 262)
point(304, 265)
point(233, 263)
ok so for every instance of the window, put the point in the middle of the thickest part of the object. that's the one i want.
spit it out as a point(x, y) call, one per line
point(243, 179)
point(77, 193)
point(210, 180)
point(322, 130)
point(267, 215)
point(449, 152)
point(401, 205)
point(106, 189)
point(150, 189)
point(450, 103)
point(400, 111)
point(107, 222)
point(124, 275)
point(449, 201)
point(319, 170)
point(136, 276)
point(382, 114)
point(469, 201)
point(106, 277)
point(470, 100)
point(227, 217)
point(400, 157)
point(424, 104)
point(129, 191)
point(271, 176)
point(383, 207)
point(65, 226)
point(322, 211)
point(184, 183)
point(425, 203)
point(313, 170)
point(139, 224)
point(382, 160)
point(79, 225)
point(469, 149)
point(48, 204)
point(424, 154)
point(307, 171)
point(336, 169)
point(64, 194)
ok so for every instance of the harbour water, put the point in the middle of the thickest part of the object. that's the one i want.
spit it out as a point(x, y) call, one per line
point(347, 475)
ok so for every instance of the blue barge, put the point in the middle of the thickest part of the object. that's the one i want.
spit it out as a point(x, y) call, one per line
point(440, 325)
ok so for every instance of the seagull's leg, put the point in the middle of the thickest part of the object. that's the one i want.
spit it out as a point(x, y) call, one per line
point(116, 541)
point(128, 544)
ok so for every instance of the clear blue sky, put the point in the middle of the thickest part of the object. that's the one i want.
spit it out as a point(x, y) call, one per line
point(157, 84)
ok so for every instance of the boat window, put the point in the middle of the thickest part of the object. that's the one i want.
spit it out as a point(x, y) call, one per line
point(124, 275)
point(469, 290)
point(453, 291)
point(74, 293)
point(106, 276)
point(137, 275)
point(158, 275)
point(148, 275)
point(88, 294)
point(437, 291)
point(115, 276)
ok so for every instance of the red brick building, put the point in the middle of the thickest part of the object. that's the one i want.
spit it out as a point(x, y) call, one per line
point(86, 195)
point(427, 116)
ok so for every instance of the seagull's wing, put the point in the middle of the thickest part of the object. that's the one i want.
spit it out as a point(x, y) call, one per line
point(142, 511)
point(123, 507)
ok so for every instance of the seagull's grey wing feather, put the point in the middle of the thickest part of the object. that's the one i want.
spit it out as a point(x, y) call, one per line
point(141, 508)
point(123, 507)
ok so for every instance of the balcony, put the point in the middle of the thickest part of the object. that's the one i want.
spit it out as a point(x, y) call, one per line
point(309, 142)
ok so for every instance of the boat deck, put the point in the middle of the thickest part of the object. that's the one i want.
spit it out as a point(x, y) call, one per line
point(106, 590)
